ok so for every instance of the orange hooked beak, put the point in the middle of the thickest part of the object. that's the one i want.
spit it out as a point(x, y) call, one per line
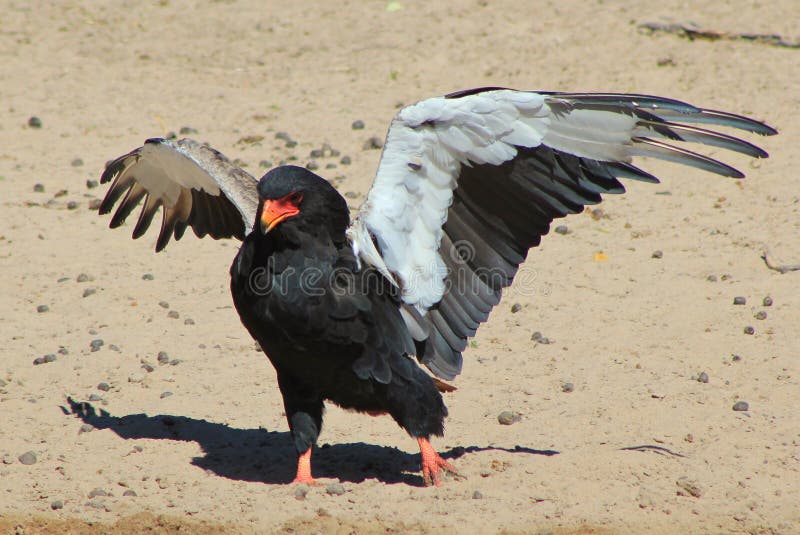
point(277, 210)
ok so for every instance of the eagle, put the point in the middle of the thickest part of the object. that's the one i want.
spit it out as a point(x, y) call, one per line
point(373, 312)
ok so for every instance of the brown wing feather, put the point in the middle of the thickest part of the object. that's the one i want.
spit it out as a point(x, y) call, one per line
point(193, 184)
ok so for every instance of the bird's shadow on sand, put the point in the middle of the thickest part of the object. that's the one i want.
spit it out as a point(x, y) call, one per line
point(264, 456)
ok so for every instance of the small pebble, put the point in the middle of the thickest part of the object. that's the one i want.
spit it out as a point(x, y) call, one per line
point(35, 122)
point(86, 428)
point(56, 505)
point(96, 344)
point(345, 160)
point(104, 387)
point(96, 505)
point(136, 377)
point(477, 495)
point(114, 347)
point(736, 358)
point(741, 406)
point(42, 308)
point(175, 362)
point(539, 338)
point(767, 302)
point(508, 418)
point(173, 314)
point(562, 229)
point(95, 204)
point(77, 162)
point(147, 277)
point(291, 144)
point(316, 153)
point(129, 492)
point(94, 493)
point(749, 330)
point(148, 368)
point(89, 291)
point(312, 165)
point(703, 377)
point(330, 165)
point(63, 351)
point(711, 278)
point(689, 487)
point(265, 164)
point(351, 194)
point(165, 394)
point(187, 130)
point(163, 357)
point(91, 184)
point(94, 397)
point(83, 277)
point(72, 205)
point(739, 300)
point(761, 315)
point(567, 387)
point(38, 188)
point(163, 304)
point(657, 254)
point(335, 489)
point(358, 124)
point(283, 136)
point(27, 458)
point(188, 321)
point(373, 142)
point(516, 307)
point(45, 359)
point(300, 493)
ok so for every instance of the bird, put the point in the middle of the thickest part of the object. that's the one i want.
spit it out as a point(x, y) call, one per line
point(373, 313)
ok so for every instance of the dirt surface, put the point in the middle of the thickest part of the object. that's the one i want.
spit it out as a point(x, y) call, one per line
point(638, 446)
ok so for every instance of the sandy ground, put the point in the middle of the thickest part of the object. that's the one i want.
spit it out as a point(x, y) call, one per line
point(629, 333)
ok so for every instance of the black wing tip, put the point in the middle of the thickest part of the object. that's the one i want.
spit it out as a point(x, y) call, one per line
point(743, 122)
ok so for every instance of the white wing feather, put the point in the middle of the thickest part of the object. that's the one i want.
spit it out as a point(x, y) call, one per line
point(425, 148)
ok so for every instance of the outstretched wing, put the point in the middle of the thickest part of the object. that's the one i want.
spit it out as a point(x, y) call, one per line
point(194, 184)
point(469, 182)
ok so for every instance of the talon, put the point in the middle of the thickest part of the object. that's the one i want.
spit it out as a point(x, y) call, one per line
point(433, 465)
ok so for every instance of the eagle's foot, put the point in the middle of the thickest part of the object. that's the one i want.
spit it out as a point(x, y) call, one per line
point(433, 466)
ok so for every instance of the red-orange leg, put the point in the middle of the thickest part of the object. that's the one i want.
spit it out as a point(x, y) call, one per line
point(304, 469)
point(432, 464)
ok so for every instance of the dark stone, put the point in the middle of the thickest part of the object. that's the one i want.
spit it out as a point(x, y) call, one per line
point(27, 458)
point(741, 406)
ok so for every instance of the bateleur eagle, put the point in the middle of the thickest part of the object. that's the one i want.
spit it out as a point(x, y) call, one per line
point(370, 313)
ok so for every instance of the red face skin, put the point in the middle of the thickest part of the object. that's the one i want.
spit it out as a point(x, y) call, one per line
point(277, 210)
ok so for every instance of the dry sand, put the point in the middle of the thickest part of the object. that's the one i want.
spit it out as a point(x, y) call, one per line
point(629, 332)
